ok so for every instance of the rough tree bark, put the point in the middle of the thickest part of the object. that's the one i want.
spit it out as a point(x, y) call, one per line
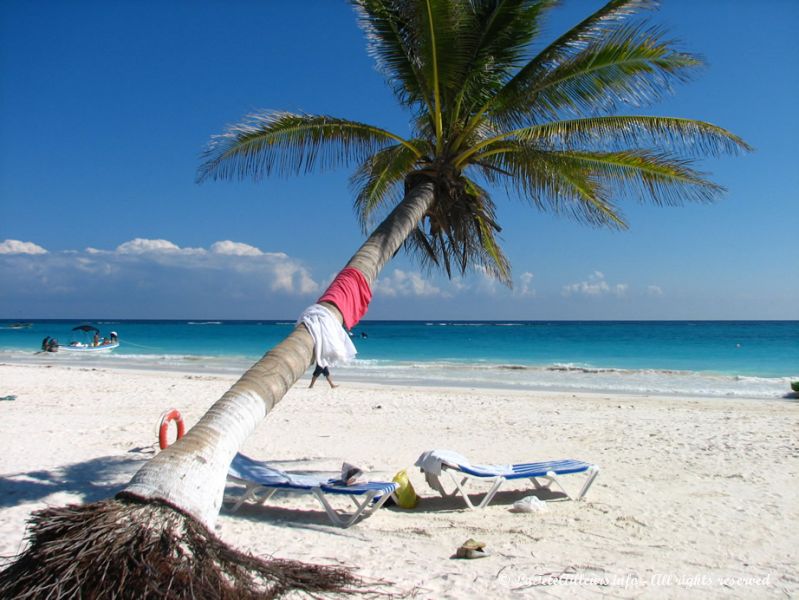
point(190, 475)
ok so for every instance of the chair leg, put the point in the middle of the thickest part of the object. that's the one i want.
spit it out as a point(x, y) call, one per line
point(552, 477)
point(460, 486)
point(593, 471)
point(434, 481)
point(489, 495)
point(249, 492)
point(346, 520)
point(492, 492)
point(540, 486)
point(269, 493)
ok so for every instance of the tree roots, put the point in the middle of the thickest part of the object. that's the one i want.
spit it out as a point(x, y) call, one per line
point(125, 548)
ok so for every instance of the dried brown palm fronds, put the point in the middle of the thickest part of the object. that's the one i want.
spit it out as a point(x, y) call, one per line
point(124, 548)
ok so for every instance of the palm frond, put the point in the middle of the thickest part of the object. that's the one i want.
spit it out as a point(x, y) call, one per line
point(632, 66)
point(459, 232)
point(553, 183)
point(392, 37)
point(287, 143)
point(495, 44)
point(378, 181)
point(591, 29)
point(490, 256)
point(683, 136)
point(435, 23)
point(587, 184)
point(648, 175)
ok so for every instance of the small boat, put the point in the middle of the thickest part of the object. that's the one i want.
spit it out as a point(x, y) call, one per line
point(79, 347)
point(18, 325)
point(97, 344)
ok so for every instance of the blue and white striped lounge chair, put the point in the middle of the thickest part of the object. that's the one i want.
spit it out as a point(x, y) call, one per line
point(435, 463)
point(262, 481)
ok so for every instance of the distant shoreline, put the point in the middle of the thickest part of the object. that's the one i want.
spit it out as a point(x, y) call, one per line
point(714, 359)
point(553, 379)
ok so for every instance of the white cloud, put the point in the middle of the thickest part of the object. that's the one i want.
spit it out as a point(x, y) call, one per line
point(142, 246)
point(654, 290)
point(18, 247)
point(143, 273)
point(403, 283)
point(477, 283)
point(595, 285)
point(525, 286)
point(229, 248)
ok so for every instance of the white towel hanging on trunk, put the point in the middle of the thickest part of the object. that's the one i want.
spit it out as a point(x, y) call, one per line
point(331, 343)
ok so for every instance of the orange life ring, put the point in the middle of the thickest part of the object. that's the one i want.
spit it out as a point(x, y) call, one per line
point(163, 428)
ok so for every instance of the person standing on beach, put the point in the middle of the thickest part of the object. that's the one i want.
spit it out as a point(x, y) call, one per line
point(321, 371)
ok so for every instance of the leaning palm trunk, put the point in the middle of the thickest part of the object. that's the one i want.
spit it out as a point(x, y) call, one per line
point(154, 539)
point(190, 475)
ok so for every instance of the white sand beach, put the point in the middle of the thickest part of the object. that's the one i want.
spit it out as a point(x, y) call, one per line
point(695, 495)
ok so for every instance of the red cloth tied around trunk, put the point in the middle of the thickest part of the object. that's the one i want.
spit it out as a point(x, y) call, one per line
point(351, 294)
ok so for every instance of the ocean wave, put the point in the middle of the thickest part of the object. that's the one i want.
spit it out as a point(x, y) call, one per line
point(569, 368)
point(451, 373)
point(473, 324)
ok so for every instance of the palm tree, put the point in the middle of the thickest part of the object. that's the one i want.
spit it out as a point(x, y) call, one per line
point(486, 112)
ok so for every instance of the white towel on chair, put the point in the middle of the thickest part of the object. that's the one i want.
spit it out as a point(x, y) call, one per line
point(432, 461)
point(330, 341)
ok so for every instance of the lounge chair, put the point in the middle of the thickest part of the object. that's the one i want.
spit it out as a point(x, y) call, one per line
point(262, 481)
point(435, 463)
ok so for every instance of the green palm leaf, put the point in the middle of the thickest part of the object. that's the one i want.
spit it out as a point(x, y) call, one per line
point(648, 175)
point(591, 29)
point(554, 182)
point(686, 136)
point(694, 138)
point(459, 232)
point(392, 39)
point(287, 143)
point(378, 181)
point(501, 31)
point(631, 65)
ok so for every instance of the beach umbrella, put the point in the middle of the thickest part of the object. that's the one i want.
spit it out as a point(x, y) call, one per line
point(484, 108)
point(86, 329)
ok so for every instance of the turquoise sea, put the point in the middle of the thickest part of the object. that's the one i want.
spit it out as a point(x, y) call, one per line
point(717, 358)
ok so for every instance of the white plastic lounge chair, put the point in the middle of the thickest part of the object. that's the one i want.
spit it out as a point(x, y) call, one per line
point(435, 463)
point(262, 481)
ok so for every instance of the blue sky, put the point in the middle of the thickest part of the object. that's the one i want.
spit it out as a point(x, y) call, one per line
point(105, 107)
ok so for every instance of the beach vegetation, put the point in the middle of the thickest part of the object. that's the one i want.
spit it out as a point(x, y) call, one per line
point(490, 109)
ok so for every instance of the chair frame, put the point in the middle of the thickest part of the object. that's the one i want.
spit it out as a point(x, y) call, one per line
point(370, 500)
point(549, 477)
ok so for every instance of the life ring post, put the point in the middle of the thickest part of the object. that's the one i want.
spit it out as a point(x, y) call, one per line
point(163, 427)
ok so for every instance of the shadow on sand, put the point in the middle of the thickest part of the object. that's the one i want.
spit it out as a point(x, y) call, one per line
point(315, 517)
point(92, 480)
point(430, 504)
